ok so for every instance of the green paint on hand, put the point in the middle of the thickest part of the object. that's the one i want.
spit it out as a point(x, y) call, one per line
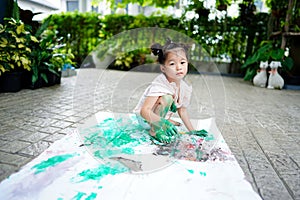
point(200, 133)
point(165, 131)
point(101, 171)
point(51, 162)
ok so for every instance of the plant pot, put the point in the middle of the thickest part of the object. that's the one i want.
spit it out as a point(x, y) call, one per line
point(38, 84)
point(290, 79)
point(52, 78)
point(26, 79)
point(11, 82)
point(294, 54)
point(58, 78)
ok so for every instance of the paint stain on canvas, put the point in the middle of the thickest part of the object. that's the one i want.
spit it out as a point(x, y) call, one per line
point(101, 171)
point(82, 195)
point(51, 162)
point(113, 137)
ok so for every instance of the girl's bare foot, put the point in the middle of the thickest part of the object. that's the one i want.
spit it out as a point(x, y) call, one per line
point(152, 132)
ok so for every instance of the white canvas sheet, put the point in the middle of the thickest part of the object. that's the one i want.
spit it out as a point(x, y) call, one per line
point(70, 170)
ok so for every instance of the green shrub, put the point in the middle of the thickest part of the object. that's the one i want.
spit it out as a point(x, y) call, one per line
point(83, 32)
point(15, 46)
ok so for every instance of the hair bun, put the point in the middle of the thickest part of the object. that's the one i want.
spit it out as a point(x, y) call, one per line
point(156, 49)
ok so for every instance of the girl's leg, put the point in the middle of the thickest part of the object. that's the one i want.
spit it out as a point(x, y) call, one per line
point(162, 107)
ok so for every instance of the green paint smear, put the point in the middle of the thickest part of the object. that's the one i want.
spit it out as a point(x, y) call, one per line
point(51, 162)
point(106, 153)
point(190, 171)
point(101, 171)
point(203, 173)
point(209, 137)
point(92, 196)
point(113, 137)
point(112, 132)
point(78, 196)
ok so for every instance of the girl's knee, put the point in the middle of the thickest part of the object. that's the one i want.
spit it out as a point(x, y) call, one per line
point(164, 105)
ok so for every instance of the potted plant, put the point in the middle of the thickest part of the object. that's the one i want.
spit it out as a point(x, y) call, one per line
point(266, 52)
point(60, 56)
point(15, 49)
point(47, 58)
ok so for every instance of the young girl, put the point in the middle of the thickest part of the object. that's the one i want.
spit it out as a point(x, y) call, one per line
point(167, 94)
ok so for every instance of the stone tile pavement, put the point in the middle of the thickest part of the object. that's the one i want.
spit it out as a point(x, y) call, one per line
point(261, 126)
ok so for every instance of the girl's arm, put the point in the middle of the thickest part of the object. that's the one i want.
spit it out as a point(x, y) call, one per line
point(183, 114)
point(147, 110)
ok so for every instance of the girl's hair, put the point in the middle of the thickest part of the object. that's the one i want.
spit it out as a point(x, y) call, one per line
point(162, 51)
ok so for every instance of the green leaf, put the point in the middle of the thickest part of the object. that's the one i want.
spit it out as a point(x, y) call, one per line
point(53, 71)
point(288, 64)
point(264, 48)
point(250, 73)
point(44, 76)
point(43, 27)
point(251, 60)
point(34, 78)
point(16, 11)
point(277, 54)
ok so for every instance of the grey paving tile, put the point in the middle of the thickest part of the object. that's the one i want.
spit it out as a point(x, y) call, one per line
point(54, 137)
point(30, 127)
point(34, 137)
point(68, 112)
point(68, 130)
point(49, 130)
point(59, 117)
point(61, 124)
point(261, 126)
point(35, 149)
point(73, 119)
point(13, 159)
point(14, 146)
point(6, 170)
point(3, 142)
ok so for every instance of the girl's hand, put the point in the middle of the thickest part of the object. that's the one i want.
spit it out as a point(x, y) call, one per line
point(165, 131)
point(200, 133)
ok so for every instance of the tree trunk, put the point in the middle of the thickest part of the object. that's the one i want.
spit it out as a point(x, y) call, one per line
point(287, 22)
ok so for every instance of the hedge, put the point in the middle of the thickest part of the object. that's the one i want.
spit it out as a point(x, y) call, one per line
point(229, 39)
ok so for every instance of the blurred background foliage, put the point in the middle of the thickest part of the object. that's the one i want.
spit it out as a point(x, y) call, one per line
point(225, 39)
point(82, 32)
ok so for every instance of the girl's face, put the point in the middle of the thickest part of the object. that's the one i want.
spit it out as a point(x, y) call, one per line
point(175, 66)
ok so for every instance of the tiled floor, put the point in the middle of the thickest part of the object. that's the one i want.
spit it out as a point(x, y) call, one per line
point(261, 126)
